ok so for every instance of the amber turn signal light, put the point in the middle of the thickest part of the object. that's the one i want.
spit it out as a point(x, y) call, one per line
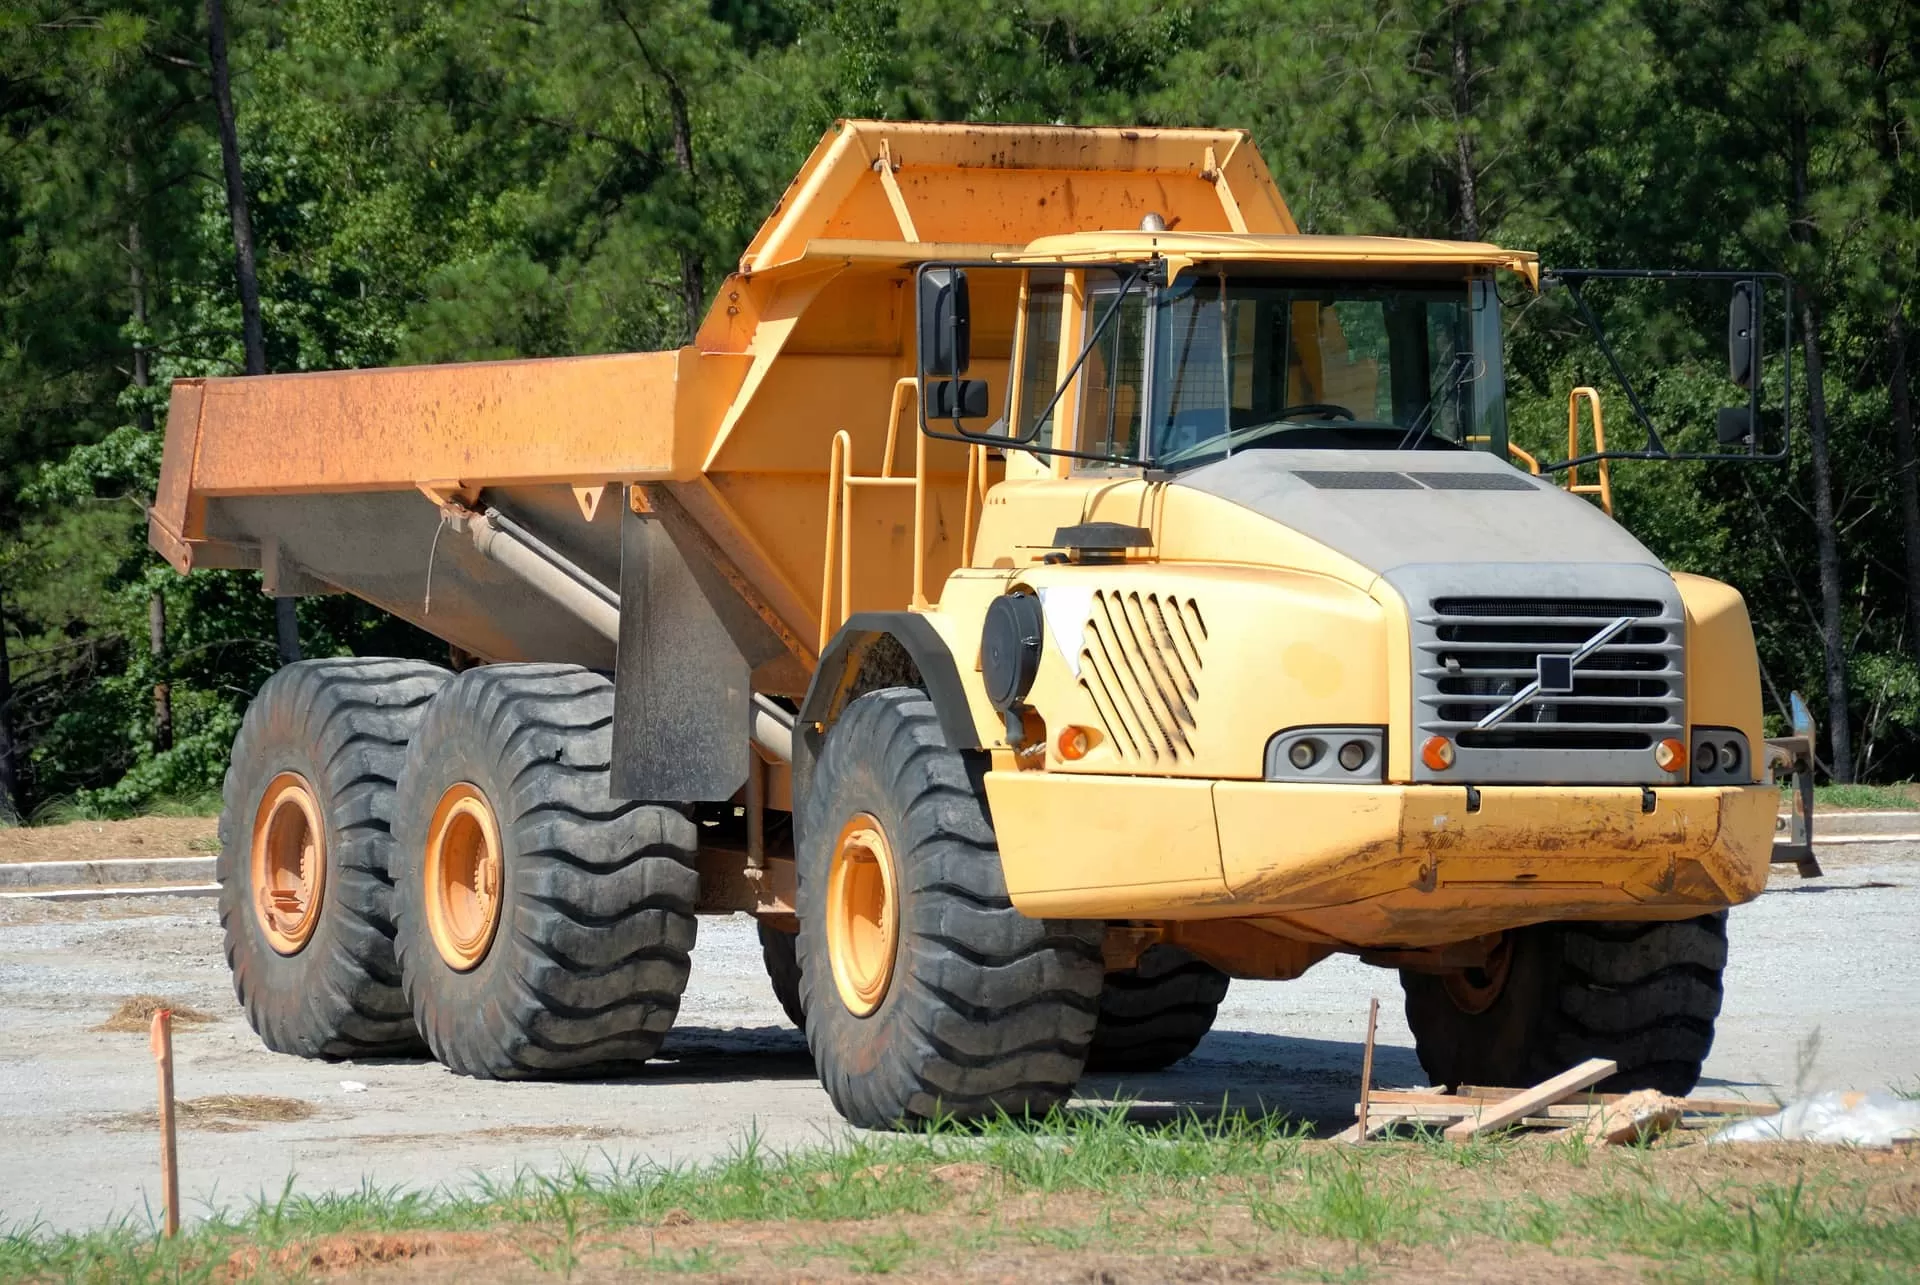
point(1670, 755)
point(1075, 742)
point(1437, 753)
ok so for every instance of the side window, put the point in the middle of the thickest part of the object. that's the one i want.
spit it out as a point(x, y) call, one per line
point(1039, 353)
point(1113, 379)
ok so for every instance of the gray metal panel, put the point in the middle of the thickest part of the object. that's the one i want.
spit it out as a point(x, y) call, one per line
point(1538, 758)
point(386, 547)
point(1385, 529)
point(682, 690)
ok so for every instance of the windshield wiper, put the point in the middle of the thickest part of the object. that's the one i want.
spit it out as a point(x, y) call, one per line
point(1452, 380)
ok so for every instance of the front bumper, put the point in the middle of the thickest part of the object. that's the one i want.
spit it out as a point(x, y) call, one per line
point(1375, 866)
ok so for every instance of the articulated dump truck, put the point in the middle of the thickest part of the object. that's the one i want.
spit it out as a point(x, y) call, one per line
point(1048, 587)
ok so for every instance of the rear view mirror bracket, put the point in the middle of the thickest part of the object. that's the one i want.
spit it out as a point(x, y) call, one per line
point(952, 400)
point(1745, 316)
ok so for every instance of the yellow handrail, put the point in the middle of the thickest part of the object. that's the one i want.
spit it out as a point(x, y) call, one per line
point(841, 481)
point(1604, 487)
point(1533, 465)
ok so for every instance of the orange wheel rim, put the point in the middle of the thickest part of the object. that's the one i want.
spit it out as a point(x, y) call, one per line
point(464, 872)
point(1475, 990)
point(288, 862)
point(863, 914)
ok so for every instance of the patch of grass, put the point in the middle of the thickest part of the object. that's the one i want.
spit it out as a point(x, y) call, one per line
point(135, 1014)
point(1052, 1191)
point(64, 811)
point(1901, 797)
point(1764, 1233)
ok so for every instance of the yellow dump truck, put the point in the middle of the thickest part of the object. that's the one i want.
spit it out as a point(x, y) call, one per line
point(1048, 586)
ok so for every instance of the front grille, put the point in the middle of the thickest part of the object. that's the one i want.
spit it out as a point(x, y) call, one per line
point(1472, 655)
point(1140, 666)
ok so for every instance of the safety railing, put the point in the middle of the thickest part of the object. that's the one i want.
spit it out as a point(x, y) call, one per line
point(1604, 487)
point(842, 482)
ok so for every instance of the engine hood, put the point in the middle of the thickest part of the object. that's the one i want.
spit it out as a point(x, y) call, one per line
point(1388, 510)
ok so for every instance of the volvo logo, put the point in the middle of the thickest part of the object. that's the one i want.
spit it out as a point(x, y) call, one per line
point(1553, 673)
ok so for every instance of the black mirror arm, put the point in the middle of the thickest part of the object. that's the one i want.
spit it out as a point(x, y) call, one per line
point(1086, 350)
point(1655, 449)
point(1131, 277)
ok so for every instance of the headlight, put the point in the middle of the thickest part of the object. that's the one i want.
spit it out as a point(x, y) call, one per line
point(1720, 757)
point(1328, 754)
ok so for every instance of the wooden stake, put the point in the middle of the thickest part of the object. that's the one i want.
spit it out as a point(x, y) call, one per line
point(1366, 1066)
point(160, 1039)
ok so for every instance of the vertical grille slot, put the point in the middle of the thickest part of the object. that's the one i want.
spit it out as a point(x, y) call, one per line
point(1140, 667)
point(1473, 655)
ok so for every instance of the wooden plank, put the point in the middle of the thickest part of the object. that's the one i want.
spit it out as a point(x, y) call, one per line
point(1499, 1115)
point(1474, 1097)
point(1366, 1065)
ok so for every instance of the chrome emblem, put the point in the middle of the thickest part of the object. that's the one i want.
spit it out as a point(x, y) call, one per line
point(1553, 673)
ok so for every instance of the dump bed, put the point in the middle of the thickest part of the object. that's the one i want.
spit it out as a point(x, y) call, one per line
point(342, 481)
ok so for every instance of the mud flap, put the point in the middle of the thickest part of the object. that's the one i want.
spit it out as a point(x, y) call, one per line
point(681, 685)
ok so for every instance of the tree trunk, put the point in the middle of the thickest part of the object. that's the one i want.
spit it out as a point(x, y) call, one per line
point(143, 417)
point(1827, 549)
point(1463, 162)
point(286, 623)
point(693, 277)
point(162, 692)
point(9, 783)
point(1900, 397)
point(693, 284)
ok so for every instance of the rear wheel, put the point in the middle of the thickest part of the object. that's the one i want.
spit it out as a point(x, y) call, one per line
point(305, 848)
point(544, 928)
point(780, 952)
point(1157, 1012)
point(1553, 995)
point(925, 991)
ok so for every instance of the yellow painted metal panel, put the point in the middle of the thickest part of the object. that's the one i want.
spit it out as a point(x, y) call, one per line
point(1723, 672)
point(1378, 866)
point(1107, 849)
point(577, 419)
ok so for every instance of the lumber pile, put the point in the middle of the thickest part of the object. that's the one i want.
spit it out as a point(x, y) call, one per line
point(1563, 1104)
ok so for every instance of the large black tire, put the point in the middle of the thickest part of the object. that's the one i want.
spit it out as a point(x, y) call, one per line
point(1644, 995)
point(780, 951)
point(1157, 1012)
point(595, 919)
point(986, 1010)
point(342, 726)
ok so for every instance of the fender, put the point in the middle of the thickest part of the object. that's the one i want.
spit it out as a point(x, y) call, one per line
point(846, 659)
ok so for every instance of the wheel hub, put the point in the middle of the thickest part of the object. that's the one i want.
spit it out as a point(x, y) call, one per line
point(288, 863)
point(1475, 990)
point(863, 907)
point(464, 872)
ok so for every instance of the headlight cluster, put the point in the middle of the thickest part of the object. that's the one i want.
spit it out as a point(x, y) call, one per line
point(1721, 756)
point(1325, 754)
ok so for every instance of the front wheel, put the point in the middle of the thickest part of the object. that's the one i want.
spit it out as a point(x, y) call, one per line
point(925, 992)
point(1553, 995)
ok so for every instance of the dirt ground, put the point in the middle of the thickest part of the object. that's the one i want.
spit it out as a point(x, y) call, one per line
point(107, 840)
point(1823, 991)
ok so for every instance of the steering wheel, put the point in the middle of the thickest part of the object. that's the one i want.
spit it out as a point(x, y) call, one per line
point(1326, 410)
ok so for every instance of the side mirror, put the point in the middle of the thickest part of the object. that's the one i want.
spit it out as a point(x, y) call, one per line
point(946, 323)
point(1743, 337)
point(956, 399)
point(1734, 427)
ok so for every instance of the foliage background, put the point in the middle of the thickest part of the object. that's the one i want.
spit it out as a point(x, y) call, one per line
point(437, 180)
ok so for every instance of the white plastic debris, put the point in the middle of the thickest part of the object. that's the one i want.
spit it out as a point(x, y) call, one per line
point(1848, 1118)
point(352, 1086)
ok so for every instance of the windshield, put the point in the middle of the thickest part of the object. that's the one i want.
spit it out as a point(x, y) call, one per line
point(1216, 363)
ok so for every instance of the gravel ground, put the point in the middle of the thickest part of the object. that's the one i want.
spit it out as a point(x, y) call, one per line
point(1823, 991)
